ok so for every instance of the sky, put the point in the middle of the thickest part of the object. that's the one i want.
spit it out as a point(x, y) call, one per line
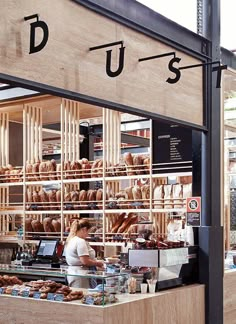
point(184, 12)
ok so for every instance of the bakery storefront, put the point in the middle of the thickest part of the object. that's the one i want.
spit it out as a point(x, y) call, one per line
point(103, 120)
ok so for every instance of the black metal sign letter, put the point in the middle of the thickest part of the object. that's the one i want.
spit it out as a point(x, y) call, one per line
point(34, 48)
point(174, 70)
point(111, 73)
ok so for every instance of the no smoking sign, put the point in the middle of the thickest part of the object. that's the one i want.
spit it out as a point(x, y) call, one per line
point(193, 205)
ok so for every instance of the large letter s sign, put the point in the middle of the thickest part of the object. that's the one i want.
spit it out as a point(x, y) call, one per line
point(174, 70)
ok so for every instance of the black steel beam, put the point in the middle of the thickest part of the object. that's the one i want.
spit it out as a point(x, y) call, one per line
point(211, 233)
point(228, 58)
point(141, 18)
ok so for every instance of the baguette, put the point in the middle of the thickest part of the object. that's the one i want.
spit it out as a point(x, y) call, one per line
point(118, 223)
point(28, 171)
point(52, 167)
point(83, 199)
point(52, 195)
point(35, 171)
point(56, 225)
point(44, 198)
point(127, 222)
point(28, 226)
point(43, 171)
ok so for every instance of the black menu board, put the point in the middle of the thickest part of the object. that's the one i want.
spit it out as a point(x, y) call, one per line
point(173, 148)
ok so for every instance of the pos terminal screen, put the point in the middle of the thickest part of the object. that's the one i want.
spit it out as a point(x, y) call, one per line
point(47, 248)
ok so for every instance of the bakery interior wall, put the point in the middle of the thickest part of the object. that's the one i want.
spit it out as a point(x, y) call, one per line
point(123, 133)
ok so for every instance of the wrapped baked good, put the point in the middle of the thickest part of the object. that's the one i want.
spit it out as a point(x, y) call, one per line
point(37, 226)
point(128, 159)
point(47, 225)
point(187, 190)
point(177, 195)
point(158, 194)
point(168, 202)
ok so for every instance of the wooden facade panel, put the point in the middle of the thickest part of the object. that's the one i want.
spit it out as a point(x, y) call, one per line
point(67, 63)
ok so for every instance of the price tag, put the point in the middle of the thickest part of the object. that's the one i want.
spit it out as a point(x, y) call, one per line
point(136, 204)
point(50, 296)
point(15, 292)
point(2, 291)
point(37, 295)
point(25, 293)
point(92, 205)
point(89, 300)
point(59, 297)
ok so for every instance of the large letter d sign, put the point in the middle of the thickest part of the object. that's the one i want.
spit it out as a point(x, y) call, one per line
point(38, 24)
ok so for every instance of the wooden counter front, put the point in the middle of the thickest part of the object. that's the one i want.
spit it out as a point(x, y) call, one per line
point(175, 306)
point(230, 297)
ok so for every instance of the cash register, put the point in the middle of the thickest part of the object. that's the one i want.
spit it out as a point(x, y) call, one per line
point(46, 255)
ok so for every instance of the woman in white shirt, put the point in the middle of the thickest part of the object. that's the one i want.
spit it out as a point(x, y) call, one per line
point(79, 254)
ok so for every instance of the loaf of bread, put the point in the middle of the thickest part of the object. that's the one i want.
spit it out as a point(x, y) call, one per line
point(47, 225)
point(28, 226)
point(29, 171)
point(43, 171)
point(37, 226)
point(58, 171)
point(91, 197)
point(83, 199)
point(36, 200)
point(99, 198)
point(52, 195)
point(75, 199)
point(86, 170)
point(118, 223)
point(76, 167)
point(127, 222)
point(132, 222)
point(51, 168)
point(94, 168)
point(35, 171)
point(145, 189)
point(44, 198)
point(100, 169)
point(129, 196)
point(120, 170)
point(138, 164)
point(67, 170)
point(128, 159)
point(146, 165)
point(57, 225)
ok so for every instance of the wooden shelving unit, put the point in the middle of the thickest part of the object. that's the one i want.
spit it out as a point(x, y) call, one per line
point(103, 213)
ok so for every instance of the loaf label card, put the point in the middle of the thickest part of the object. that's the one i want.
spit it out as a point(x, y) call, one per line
point(58, 297)
point(50, 296)
point(15, 292)
point(25, 293)
point(37, 295)
point(2, 291)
